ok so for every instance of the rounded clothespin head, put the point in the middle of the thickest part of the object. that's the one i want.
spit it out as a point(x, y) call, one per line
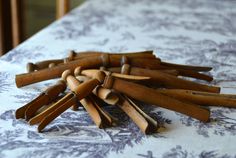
point(125, 69)
point(108, 82)
point(51, 65)
point(65, 74)
point(62, 82)
point(30, 67)
point(71, 55)
point(100, 76)
point(124, 60)
point(77, 71)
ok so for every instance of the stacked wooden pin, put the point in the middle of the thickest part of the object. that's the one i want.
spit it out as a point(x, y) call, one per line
point(119, 79)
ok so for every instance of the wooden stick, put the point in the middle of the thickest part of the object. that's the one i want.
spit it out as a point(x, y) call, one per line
point(17, 8)
point(43, 64)
point(38, 118)
point(170, 72)
point(145, 54)
point(90, 62)
point(83, 91)
point(20, 112)
point(75, 56)
point(69, 100)
point(49, 95)
point(106, 117)
point(202, 98)
point(179, 72)
point(168, 80)
point(185, 67)
point(33, 108)
point(55, 72)
point(50, 117)
point(172, 81)
point(62, 7)
point(151, 96)
point(92, 111)
point(146, 124)
point(78, 55)
point(91, 72)
point(194, 74)
point(149, 119)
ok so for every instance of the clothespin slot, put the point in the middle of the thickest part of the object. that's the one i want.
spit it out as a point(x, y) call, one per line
point(70, 100)
point(38, 118)
point(45, 98)
point(146, 124)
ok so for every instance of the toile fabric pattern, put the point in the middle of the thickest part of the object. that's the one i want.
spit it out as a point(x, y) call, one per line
point(200, 32)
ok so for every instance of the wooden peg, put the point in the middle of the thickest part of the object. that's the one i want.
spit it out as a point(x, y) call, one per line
point(151, 96)
point(38, 118)
point(50, 117)
point(50, 94)
point(202, 98)
point(146, 124)
point(172, 81)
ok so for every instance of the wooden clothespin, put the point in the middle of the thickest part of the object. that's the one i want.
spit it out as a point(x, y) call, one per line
point(48, 96)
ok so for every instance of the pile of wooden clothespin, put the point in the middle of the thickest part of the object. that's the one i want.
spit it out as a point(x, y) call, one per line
point(119, 79)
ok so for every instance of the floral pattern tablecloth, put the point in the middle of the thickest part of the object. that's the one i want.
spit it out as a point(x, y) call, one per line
point(197, 32)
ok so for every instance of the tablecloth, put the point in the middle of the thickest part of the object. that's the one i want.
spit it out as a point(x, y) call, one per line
point(196, 32)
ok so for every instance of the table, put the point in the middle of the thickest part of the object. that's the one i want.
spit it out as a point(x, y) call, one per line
point(182, 31)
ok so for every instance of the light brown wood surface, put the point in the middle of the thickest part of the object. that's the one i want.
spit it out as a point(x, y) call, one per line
point(63, 6)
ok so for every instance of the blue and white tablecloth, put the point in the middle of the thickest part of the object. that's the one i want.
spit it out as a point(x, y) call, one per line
point(197, 32)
